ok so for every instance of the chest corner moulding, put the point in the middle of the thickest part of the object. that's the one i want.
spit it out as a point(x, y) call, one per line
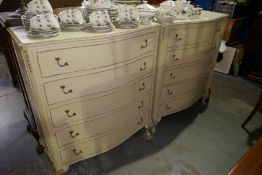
point(70, 81)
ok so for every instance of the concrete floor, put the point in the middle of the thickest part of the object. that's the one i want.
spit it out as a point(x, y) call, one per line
point(186, 143)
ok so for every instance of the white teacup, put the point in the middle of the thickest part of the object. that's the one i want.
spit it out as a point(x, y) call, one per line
point(71, 16)
point(39, 7)
point(44, 22)
point(146, 18)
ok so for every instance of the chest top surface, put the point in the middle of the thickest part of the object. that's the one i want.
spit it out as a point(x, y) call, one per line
point(20, 35)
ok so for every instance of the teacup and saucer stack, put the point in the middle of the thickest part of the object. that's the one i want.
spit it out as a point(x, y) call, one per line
point(128, 17)
point(89, 6)
point(72, 20)
point(39, 20)
point(100, 21)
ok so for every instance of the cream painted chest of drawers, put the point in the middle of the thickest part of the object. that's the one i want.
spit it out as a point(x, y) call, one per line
point(187, 54)
point(90, 92)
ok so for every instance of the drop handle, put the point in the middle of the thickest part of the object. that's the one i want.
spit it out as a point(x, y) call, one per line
point(169, 92)
point(145, 45)
point(178, 38)
point(77, 152)
point(175, 58)
point(60, 64)
point(144, 67)
point(143, 87)
point(168, 107)
point(73, 135)
point(68, 115)
point(66, 92)
point(140, 121)
point(172, 75)
point(141, 105)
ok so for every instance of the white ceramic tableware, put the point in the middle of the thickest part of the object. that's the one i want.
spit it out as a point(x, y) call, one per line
point(71, 16)
point(146, 18)
point(39, 7)
point(44, 22)
point(145, 7)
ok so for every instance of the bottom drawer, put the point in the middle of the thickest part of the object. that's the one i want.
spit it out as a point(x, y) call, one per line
point(181, 103)
point(106, 142)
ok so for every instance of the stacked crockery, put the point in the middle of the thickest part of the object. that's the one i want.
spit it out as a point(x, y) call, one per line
point(100, 21)
point(89, 6)
point(39, 19)
point(35, 7)
point(72, 20)
point(128, 17)
point(44, 25)
point(146, 13)
point(184, 10)
point(165, 13)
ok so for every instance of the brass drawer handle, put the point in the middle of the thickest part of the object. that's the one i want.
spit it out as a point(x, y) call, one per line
point(66, 92)
point(175, 58)
point(172, 76)
point(144, 46)
point(144, 67)
point(178, 38)
point(59, 64)
point(140, 121)
point(73, 135)
point(141, 105)
point(168, 107)
point(169, 92)
point(68, 115)
point(143, 87)
point(76, 152)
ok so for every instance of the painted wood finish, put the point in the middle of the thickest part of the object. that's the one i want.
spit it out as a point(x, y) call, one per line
point(90, 92)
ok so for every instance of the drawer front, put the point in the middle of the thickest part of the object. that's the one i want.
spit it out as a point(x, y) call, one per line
point(178, 104)
point(102, 125)
point(65, 89)
point(91, 108)
point(184, 56)
point(183, 73)
point(180, 89)
point(95, 56)
point(106, 142)
point(190, 36)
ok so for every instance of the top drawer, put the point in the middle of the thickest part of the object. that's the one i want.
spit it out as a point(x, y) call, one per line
point(68, 60)
point(189, 36)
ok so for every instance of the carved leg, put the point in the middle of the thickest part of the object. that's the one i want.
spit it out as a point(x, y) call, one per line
point(62, 171)
point(205, 98)
point(148, 135)
point(205, 101)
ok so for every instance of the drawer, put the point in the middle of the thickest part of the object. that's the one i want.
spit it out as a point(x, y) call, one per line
point(190, 36)
point(184, 56)
point(180, 89)
point(61, 61)
point(91, 108)
point(181, 103)
point(106, 142)
point(66, 89)
point(183, 73)
point(102, 125)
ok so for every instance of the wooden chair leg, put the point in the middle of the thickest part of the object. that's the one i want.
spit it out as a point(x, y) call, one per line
point(254, 111)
